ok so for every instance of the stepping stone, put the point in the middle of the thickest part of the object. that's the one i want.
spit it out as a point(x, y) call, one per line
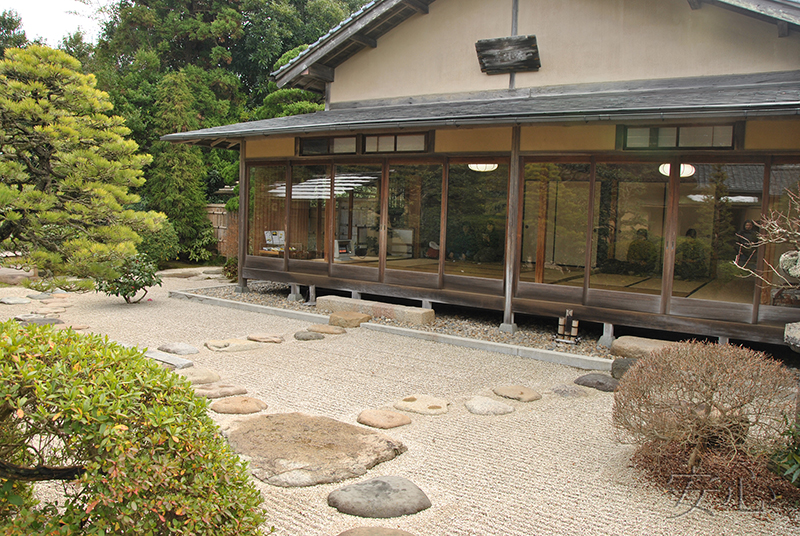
point(517, 392)
point(37, 320)
point(601, 382)
point(168, 359)
point(386, 496)
point(569, 391)
point(14, 300)
point(293, 449)
point(348, 319)
point(374, 531)
point(199, 375)
point(265, 338)
point(49, 311)
point(481, 405)
point(232, 345)
point(73, 327)
point(59, 293)
point(383, 418)
point(218, 390)
point(56, 303)
point(424, 404)
point(239, 405)
point(621, 365)
point(40, 296)
point(308, 336)
point(178, 348)
point(327, 329)
point(628, 346)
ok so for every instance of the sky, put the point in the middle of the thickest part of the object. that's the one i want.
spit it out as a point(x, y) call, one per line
point(55, 19)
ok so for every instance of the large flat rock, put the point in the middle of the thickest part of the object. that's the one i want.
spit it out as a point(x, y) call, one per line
point(638, 347)
point(294, 449)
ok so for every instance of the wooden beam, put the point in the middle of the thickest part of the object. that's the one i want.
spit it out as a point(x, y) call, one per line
point(418, 6)
point(783, 28)
point(696, 4)
point(364, 40)
point(320, 72)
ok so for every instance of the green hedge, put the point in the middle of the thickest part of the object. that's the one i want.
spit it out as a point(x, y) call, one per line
point(148, 459)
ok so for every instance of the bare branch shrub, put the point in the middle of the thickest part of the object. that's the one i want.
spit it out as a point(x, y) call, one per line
point(705, 397)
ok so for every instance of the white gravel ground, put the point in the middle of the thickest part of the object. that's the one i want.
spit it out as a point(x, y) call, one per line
point(552, 467)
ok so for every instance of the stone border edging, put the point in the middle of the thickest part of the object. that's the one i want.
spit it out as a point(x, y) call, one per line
point(573, 360)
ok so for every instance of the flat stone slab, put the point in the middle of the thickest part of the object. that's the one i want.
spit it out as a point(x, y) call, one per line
point(38, 320)
point(383, 497)
point(40, 296)
point(239, 405)
point(601, 382)
point(169, 359)
point(199, 375)
point(638, 347)
point(178, 348)
point(383, 418)
point(569, 391)
point(14, 300)
point(56, 303)
point(621, 365)
point(295, 450)
point(49, 311)
point(308, 336)
point(517, 392)
point(374, 531)
point(327, 329)
point(232, 345)
point(348, 319)
point(74, 327)
point(218, 390)
point(424, 404)
point(401, 313)
point(265, 338)
point(482, 405)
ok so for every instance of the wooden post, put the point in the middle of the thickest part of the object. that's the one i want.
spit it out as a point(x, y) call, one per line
point(512, 233)
point(244, 232)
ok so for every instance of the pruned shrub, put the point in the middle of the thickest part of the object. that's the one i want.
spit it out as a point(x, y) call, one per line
point(135, 448)
point(137, 273)
point(706, 396)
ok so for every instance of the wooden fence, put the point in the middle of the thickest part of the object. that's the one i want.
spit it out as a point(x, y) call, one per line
point(226, 229)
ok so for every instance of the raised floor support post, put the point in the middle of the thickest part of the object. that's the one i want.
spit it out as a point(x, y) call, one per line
point(608, 335)
point(312, 295)
point(295, 294)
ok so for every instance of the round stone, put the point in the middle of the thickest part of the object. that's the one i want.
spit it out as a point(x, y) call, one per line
point(308, 336)
point(481, 405)
point(198, 375)
point(382, 497)
point(601, 382)
point(14, 300)
point(517, 392)
point(383, 418)
point(239, 405)
point(374, 531)
point(423, 404)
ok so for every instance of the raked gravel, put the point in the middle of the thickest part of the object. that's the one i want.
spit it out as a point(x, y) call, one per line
point(552, 467)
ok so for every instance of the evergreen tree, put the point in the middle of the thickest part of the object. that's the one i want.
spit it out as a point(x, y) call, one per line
point(11, 33)
point(65, 168)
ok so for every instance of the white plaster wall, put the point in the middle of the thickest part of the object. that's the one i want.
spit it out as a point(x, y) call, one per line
point(579, 41)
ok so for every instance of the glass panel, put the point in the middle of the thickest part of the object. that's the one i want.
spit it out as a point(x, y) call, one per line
point(415, 206)
point(638, 137)
point(783, 180)
point(267, 210)
point(476, 221)
point(667, 136)
point(717, 203)
point(554, 239)
point(723, 136)
point(357, 215)
point(312, 146)
point(386, 144)
point(344, 145)
point(629, 225)
point(697, 136)
point(411, 143)
point(310, 192)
